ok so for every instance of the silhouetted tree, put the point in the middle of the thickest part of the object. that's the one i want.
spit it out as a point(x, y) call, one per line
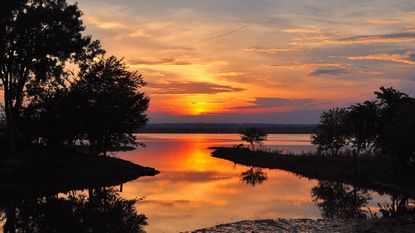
point(399, 137)
point(331, 133)
point(52, 119)
point(102, 106)
point(338, 200)
point(362, 122)
point(395, 124)
point(112, 108)
point(253, 136)
point(37, 39)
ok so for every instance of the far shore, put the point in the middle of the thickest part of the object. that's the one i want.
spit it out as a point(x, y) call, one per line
point(212, 128)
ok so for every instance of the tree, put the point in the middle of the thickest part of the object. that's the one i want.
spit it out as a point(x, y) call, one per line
point(362, 122)
point(331, 133)
point(399, 137)
point(37, 39)
point(111, 107)
point(253, 136)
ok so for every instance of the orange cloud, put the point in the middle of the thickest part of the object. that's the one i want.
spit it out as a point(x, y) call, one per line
point(408, 58)
point(271, 50)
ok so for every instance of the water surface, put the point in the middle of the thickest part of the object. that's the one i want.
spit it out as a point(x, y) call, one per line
point(196, 190)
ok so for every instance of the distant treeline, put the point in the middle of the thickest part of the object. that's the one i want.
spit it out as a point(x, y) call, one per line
point(226, 128)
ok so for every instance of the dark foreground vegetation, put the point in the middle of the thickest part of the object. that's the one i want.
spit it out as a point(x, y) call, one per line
point(66, 105)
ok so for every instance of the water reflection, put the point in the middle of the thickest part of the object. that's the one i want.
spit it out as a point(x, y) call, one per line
point(399, 205)
point(254, 176)
point(338, 200)
point(97, 210)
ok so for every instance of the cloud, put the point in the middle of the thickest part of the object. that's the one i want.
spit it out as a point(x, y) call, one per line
point(371, 72)
point(163, 61)
point(180, 88)
point(334, 39)
point(278, 103)
point(271, 50)
point(301, 30)
point(387, 38)
point(328, 71)
point(406, 58)
point(298, 65)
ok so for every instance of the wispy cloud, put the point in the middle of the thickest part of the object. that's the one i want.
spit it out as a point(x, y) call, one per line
point(278, 103)
point(271, 50)
point(183, 88)
point(328, 72)
point(406, 58)
point(162, 61)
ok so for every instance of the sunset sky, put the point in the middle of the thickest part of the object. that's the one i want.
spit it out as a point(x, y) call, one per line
point(263, 61)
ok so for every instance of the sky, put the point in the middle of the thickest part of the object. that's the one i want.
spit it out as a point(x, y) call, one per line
point(257, 61)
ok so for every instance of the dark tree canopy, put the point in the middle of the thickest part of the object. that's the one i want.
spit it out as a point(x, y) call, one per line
point(382, 127)
point(331, 133)
point(37, 39)
point(112, 107)
point(362, 125)
point(103, 106)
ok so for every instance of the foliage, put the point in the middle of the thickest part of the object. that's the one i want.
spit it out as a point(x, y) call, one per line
point(331, 133)
point(253, 136)
point(102, 106)
point(112, 108)
point(362, 125)
point(38, 38)
point(383, 127)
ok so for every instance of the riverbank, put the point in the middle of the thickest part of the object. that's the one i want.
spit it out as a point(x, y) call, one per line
point(43, 175)
point(370, 173)
point(401, 225)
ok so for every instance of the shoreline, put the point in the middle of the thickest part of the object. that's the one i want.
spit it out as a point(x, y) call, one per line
point(280, 225)
point(38, 177)
point(369, 173)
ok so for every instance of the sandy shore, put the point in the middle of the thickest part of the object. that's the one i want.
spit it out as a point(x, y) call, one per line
point(404, 224)
point(284, 226)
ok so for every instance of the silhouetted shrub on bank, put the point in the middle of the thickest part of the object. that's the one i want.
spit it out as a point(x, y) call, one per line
point(254, 136)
